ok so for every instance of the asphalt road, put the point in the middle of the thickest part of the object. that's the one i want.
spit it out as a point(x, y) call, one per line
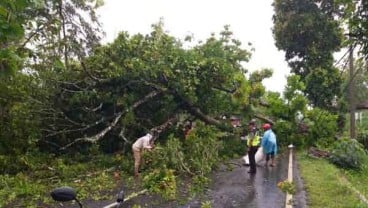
point(234, 187)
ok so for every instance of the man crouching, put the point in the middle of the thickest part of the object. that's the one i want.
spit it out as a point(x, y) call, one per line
point(140, 145)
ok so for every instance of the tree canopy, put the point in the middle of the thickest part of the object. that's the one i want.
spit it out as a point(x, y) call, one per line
point(71, 91)
point(309, 35)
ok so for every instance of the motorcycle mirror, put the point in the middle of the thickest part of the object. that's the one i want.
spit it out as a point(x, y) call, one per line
point(120, 196)
point(64, 194)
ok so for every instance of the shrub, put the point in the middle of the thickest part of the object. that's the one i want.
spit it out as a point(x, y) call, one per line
point(322, 126)
point(161, 181)
point(197, 155)
point(170, 155)
point(233, 147)
point(285, 132)
point(362, 138)
point(286, 186)
point(199, 183)
point(202, 148)
point(348, 153)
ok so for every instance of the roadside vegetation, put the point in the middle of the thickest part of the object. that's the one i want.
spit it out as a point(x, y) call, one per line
point(175, 171)
point(339, 180)
point(326, 185)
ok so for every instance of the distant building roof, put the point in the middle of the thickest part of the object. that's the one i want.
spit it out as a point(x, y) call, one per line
point(234, 118)
point(362, 106)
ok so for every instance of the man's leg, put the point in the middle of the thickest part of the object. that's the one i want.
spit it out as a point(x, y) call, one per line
point(252, 159)
point(272, 159)
point(137, 160)
point(267, 158)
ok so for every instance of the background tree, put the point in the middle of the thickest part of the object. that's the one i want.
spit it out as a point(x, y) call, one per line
point(12, 32)
point(39, 39)
point(309, 34)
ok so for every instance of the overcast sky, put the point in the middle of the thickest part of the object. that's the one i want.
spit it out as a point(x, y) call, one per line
point(250, 21)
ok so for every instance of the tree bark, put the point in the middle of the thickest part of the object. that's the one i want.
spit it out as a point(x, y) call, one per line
point(95, 138)
point(351, 94)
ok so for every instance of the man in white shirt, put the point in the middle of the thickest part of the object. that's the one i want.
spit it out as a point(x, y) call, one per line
point(143, 143)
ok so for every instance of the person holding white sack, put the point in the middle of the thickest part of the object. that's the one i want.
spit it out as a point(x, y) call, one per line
point(253, 131)
point(253, 143)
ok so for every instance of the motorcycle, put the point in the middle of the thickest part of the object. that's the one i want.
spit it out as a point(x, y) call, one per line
point(66, 193)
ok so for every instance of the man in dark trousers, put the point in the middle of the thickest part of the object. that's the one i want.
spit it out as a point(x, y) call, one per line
point(253, 142)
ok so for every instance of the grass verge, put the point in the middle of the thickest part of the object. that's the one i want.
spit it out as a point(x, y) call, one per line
point(359, 180)
point(325, 186)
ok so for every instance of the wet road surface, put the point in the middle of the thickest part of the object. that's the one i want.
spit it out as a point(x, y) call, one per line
point(238, 188)
point(234, 187)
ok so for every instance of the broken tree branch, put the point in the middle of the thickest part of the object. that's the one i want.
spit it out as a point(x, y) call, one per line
point(95, 138)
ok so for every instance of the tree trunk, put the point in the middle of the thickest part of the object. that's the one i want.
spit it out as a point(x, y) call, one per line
point(351, 94)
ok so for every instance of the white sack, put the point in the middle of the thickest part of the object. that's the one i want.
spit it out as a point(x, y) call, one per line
point(259, 156)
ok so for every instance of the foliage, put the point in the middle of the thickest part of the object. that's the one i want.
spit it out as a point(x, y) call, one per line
point(360, 81)
point(288, 113)
point(19, 129)
point(297, 124)
point(161, 181)
point(352, 14)
point(349, 154)
point(232, 147)
point(36, 36)
point(198, 184)
point(309, 37)
point(197, 155)
point(322, 127)
point(286, 186)
point(12, 32)
point(139, 82)
point(20, 186)
point(59, 32)
point(170, 155)
point(362, 138)
point(90, 177)
point(202, 147)
point(323, 86)
point(206, 204)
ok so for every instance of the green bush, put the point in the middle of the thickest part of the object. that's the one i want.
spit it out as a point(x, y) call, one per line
point(197, 155)
point(199, 183)
point(20, 187)
point(161, 181)
point(202, 148)
point(349, 154)
point(285, 132)
point(12, 165)
point(233, 147)
point(322, 126)
point(362, 138)
point(19, 130)
point(170, 155)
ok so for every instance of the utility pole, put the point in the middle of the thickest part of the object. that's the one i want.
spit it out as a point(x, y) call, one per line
point(351, 93)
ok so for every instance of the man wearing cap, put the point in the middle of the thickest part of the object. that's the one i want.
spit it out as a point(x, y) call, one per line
point(143, 143)
point(269, 144)
point(253, 142)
